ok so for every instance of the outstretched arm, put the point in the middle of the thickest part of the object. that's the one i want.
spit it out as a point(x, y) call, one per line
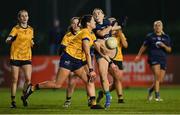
point(141, 51)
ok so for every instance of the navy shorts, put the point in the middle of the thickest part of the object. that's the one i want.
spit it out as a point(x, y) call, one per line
point(119, 64)
point(70, 62)
point(158, 60)
point(20, 62)
point(97, 55)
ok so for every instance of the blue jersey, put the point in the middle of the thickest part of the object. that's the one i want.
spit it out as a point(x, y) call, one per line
point(105, 24)
point(153, 49)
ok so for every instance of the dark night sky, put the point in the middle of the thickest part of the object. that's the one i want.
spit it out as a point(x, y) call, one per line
point(140, 13)
point(137, 10)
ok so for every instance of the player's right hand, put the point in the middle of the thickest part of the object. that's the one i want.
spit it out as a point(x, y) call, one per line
point(9, 40)
point(137, 59)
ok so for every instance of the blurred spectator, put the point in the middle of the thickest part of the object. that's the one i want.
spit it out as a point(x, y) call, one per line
point(55, 37)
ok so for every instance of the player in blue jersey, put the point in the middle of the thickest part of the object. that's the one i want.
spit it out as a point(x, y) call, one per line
point(157, 44)
point(103, 31)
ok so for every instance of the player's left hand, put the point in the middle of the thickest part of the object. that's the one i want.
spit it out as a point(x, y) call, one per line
point(162, 44)
point(113, 67)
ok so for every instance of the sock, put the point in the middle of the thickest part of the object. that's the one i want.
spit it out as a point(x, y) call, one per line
point(120, 96)
point(37, 87)
point(157, 95)
point(107, 93)
point(93, 100)
point(13, 98)
point(151, 89)
point(68, 98)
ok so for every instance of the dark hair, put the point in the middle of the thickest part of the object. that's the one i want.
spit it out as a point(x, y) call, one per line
point(84, 20)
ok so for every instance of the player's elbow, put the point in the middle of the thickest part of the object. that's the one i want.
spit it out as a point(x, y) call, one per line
point(125, 45)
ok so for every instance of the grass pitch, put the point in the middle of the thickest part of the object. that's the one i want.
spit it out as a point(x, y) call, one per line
point(51, 101)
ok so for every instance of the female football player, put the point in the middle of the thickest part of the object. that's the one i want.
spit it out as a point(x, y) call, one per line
point(117, 60)
point(103, 31)
point(74, 59)
point(21, 41)
point(158, 44)
point(72, 32)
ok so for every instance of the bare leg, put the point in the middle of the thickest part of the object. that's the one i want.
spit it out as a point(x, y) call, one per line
point(15, 74)
point(28, 71)
point(61, 76)
point(117, 83)
point(157, 73)
point(71, 85)
point(103, 71)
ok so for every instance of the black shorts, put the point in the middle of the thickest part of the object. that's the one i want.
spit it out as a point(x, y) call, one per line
point(119, 64)
point(20, 62)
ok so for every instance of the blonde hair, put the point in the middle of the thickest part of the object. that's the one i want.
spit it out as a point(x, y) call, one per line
point(98, 9)
point(159, 22)
point(19, 13)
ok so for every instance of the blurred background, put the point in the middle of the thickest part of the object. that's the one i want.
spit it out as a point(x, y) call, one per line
point(50, 20)
point(45, 13)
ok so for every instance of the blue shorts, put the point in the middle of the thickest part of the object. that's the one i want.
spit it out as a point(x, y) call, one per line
point(70, 62)
point(97, 55)
point(20, 62)
point(158, 60)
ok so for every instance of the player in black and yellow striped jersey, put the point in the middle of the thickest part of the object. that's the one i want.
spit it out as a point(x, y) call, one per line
point(21, 41)
point(72, 60)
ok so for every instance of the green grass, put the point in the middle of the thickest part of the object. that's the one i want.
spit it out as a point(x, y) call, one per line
point(51, 101)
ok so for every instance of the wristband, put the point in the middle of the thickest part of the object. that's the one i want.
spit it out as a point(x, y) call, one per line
point(110, 62)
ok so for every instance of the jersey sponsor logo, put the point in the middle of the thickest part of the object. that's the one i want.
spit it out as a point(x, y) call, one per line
point(67, 62)
point(153, 38)
point(159, 38)
point(154, 62)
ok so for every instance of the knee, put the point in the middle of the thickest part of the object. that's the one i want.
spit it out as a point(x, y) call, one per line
point(28, 81)
point(161, 79)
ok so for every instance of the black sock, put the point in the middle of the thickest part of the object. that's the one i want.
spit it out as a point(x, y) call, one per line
point(13, 98)
point(120, 96)
point(157, 95)
point(92, 98)
point(68, 98)
point(37, 87)
point(151, 89)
